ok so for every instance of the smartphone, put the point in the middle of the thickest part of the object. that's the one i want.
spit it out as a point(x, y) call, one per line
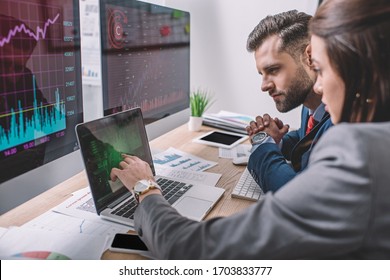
point(128, 243)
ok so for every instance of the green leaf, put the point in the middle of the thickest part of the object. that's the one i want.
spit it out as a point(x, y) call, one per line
point(199, 101)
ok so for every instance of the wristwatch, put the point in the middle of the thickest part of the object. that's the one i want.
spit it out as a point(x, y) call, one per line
point(259, 138)
point(143, 186)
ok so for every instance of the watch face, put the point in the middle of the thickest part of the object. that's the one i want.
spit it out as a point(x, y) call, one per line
point(259, 137)
point(141, 186)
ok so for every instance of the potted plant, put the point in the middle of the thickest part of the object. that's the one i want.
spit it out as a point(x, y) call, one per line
point(199, 102)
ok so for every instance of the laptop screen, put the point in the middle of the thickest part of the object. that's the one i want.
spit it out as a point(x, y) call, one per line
point(102, 142)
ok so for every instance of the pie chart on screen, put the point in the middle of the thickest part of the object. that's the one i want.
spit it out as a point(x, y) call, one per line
point(41, 255)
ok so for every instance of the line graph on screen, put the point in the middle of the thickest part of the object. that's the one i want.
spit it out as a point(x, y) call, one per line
point(39, 34)
point(32, 115)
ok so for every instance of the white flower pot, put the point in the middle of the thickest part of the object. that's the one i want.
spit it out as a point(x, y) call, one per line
point(195, 123)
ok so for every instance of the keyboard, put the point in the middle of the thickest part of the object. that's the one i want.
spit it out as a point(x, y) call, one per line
point(171, 190)
point(247, 188)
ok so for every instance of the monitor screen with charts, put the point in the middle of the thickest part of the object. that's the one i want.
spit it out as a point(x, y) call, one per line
point(40, 91)
point(145, 58)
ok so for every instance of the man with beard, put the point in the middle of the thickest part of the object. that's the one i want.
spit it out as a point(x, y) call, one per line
point(281, 46)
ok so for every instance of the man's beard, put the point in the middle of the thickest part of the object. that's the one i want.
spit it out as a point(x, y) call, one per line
point(296, 93)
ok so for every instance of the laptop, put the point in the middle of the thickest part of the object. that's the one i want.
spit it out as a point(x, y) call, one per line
point(102, 141)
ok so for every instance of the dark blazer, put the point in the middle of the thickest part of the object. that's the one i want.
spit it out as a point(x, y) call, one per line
point(268, 164)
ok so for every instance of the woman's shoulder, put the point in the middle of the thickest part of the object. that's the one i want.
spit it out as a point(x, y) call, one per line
point(359, 131)
point(359, 139)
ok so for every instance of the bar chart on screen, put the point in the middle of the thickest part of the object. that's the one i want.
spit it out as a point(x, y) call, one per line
point(40, 83)
point(44, 120)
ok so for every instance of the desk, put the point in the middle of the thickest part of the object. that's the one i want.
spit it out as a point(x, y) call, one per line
point(179, 138)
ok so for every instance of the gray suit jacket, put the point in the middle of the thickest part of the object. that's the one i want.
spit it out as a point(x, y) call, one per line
point(339, 207)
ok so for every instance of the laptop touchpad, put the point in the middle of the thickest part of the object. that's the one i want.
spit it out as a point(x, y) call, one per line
point(193, 208)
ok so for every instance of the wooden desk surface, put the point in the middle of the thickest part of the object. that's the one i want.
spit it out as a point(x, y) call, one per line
point(179, 138)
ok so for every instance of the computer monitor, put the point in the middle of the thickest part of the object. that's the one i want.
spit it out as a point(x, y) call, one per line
point(145, 58)
point(40, 96)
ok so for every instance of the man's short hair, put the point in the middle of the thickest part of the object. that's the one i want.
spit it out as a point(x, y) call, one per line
point(291, 27)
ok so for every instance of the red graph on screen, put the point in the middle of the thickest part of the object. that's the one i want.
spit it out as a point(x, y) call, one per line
point(39, 34)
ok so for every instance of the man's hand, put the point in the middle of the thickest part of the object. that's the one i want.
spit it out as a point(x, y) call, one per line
point(274, 127)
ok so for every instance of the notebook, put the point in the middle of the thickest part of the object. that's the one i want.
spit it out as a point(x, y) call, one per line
point(102, 141)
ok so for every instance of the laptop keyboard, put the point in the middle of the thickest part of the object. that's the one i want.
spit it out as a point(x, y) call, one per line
point(171, 190)
point(247, 188)
point(126, 209)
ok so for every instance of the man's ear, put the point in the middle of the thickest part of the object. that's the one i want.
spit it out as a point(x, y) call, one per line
point(307, 55)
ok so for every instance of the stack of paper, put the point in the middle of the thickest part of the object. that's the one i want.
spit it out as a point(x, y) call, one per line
point(228, 121)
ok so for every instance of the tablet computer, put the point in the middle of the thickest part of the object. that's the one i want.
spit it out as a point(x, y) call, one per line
point(221, 139)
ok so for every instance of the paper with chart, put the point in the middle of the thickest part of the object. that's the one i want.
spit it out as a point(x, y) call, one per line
point(57, 222)
point(28, 243)
point(242, 150)
point(205, 178)
point(174, 158)
point(76, 221)
point(80, 205)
